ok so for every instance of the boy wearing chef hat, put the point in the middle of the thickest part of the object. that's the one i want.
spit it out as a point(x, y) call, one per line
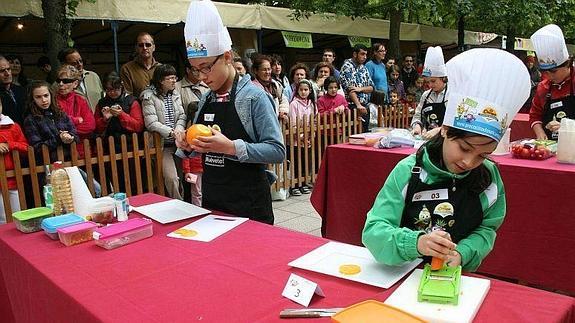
point(554, 98)
point(429, 113)
point(447, 200)
point(234, 179)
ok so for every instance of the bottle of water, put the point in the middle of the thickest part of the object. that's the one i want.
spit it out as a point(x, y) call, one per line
point(61, 190)
point(122, 206)
point(47, 191)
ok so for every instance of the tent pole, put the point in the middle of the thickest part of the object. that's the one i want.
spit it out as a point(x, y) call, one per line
point(260, 34)
point(114, 25)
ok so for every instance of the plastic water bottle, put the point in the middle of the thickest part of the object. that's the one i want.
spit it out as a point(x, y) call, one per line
point(61, 190)
point(122, 206)
point(47, 191)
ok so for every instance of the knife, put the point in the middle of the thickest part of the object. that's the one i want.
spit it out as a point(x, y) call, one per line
point(309, 312)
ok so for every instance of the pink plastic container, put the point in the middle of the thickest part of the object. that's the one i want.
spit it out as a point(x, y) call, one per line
point(77, 233)
point(119, 234)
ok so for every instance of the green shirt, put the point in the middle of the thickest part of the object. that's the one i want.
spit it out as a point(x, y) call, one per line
point(393, 245)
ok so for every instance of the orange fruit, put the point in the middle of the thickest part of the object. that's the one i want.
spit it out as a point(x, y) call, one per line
point(197, 130)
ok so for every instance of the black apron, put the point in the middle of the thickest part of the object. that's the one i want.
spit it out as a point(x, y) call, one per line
point(447, 206)
point(557, 109)
point(240, 189)
point(432, 113)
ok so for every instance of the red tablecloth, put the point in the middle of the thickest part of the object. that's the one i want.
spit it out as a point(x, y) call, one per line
point(520, 127)
point(238, 277)
point(535, 243)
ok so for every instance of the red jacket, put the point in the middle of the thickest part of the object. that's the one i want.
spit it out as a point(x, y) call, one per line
point(76, 107)
point(192, 165)
point(327, 103)
point(13, 135)
point(540, 97)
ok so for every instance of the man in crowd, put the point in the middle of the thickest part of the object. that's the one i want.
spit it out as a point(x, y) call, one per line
point(356, 82)
point(13, 96)
point(90, 85)
point(329, 57)
point(136, 74)
point(408, 72)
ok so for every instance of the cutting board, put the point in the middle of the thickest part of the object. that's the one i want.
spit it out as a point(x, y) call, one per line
point(471, 296)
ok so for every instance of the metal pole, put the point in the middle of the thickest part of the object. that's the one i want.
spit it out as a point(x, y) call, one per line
point(114, 25)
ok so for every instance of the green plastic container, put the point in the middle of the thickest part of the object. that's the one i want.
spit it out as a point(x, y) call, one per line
point(30, 220)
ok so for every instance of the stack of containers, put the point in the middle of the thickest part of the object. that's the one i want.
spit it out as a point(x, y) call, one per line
point(51, 225)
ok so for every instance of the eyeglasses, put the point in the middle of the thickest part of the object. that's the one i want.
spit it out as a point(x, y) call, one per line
point(5, 70)
point(147, 45)
point(206, 69)
point(65, 81)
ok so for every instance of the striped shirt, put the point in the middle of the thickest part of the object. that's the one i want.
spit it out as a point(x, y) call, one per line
point(169, 113)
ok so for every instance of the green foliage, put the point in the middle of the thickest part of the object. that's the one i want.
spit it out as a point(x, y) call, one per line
point(71, 5)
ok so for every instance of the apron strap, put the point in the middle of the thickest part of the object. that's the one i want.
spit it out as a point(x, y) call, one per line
point(414, 179)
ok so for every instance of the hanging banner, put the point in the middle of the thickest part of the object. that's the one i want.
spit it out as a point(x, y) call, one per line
point(297, 40)
point(520, 43)
point(355, 40)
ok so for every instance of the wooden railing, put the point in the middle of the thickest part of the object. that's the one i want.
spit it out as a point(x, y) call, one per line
point(143, 162)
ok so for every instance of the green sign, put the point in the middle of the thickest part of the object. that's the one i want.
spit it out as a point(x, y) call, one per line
point(297, 40)
point(355, 40)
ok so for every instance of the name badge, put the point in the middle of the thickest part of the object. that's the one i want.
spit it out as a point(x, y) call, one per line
point(427, 109)
point(209, 117)
point(301, 290)
point(556, 105)
point(432, 195)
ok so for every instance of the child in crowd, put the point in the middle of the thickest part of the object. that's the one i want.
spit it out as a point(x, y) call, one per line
point(332, 101)
point(394, 101)
point(376, 100)
point(458, 223)
point(11, 138)
point(192, 166)
point(419, 88)
point(410, 102)
point(240, 66)
point(303, 108)
point(395, 82)
point(47, 125)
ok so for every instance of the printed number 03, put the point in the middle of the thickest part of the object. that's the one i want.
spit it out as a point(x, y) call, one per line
point(435, 196)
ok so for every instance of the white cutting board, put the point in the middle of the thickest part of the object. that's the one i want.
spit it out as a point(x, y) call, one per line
point(471, 296)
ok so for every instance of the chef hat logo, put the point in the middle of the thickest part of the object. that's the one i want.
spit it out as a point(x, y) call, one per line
point(205, 33)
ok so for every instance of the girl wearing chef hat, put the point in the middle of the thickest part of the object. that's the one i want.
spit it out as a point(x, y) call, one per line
point(447, 200)
point(234, 159)
point(429, 112)
point(554, 98)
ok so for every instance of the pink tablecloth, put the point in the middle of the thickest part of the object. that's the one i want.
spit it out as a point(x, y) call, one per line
point(236, 278)
point(534, 244)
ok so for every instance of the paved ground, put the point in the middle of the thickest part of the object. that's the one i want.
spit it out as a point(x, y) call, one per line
point(296, 213)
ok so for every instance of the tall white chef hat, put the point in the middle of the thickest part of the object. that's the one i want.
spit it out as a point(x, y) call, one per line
point(205, 34)
point(434, 65)
point(486, 89)
point(550, 46)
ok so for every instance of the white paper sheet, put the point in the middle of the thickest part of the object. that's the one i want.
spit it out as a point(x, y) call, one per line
point(471, 296)
point(208, 228)
point(328, 258)
point(171, 211)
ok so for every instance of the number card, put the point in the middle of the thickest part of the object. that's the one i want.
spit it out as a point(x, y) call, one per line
point(433, 195)
point(301, 290)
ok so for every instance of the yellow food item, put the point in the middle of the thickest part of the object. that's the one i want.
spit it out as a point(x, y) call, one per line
point(186, 232)
point(216, 127)
point(349, 269)
point(197, 130)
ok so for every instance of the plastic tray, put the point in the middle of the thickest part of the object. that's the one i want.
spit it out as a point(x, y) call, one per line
point(371, 311)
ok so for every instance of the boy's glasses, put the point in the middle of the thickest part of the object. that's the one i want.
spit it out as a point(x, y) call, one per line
point(65, 81)
point(206, 69)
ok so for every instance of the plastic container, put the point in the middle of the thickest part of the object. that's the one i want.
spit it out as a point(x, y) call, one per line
point(371, 311)
point(61, 190)
point(533, 149)
point(566, 146)
point(47, 189)
point(51, 225)
point(121, 206)
point(77, 233)
point(119, 234)
point(31, 220)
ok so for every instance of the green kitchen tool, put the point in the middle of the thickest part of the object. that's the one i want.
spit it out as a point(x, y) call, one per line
point(440, 286)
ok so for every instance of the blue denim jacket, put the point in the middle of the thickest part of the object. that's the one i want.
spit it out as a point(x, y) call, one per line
point(255, 109)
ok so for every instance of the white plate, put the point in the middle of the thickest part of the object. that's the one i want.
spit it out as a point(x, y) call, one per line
point(171, 211)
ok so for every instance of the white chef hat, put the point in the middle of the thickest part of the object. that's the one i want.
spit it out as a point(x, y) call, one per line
point(550, 46)
point(486, 89)
point(205, 34)
point(434, 65)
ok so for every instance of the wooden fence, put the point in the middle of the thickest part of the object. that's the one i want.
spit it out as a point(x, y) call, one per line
point(144, 162)
point(101, 163)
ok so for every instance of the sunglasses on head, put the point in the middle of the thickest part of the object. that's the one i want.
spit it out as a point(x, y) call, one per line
point(147, 45)
point(65, 81)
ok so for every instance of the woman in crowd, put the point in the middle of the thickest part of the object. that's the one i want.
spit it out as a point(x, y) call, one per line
point(75, 105)
point(262, 72)
point(321, 72)
point(234, 180)
point(448, 200)
point(163, 113)
point(17, 70)
point(297, 73)
point(277, 71)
